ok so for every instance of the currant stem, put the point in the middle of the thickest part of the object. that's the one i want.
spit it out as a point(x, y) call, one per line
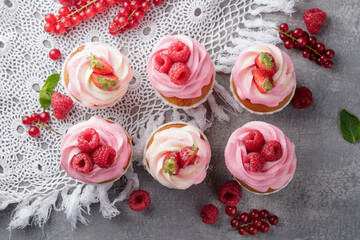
point(79, 10)
point(244, 225)
point(132, 14)
point(44, 126)
point(288, 35)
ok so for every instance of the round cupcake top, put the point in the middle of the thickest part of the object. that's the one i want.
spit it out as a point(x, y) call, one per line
point(111, 135)
point(179, 66)
point(178, 155)
point(273, 174)
point(99, 75)
point(283, 77)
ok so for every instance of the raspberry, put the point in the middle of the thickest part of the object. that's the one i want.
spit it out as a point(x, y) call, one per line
point(302, 98)
point(179, 73)
point(179, 52)
point(82, 162)
point(162, 62)
point(209, 214)
point(139, 200)
point(272, 151)
point(254, 141)
point(62, 104)
point(254, 162)
point(103, 156)
point(230, 193)
point(88, 140)
point(314, 19)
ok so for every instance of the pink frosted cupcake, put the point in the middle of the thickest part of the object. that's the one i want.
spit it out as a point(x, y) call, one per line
point(263, 79)
point(177, 155)
point(260, 157)
point(96, 151)
point(181, 71)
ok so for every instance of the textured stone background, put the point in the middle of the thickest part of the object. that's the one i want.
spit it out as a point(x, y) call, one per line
point(321, 202)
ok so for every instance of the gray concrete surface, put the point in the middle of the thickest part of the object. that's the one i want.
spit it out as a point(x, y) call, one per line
point(321, 202)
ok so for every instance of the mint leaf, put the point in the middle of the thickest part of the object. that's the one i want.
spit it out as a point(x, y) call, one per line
point(349, 126)
point(44, 99)
point(51, 82)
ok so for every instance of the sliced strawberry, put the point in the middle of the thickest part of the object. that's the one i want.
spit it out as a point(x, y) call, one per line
point(99, 66)
point(266, 62)
point(105, 82)
point(171, 163)
point(263, 80)
point(187, 155)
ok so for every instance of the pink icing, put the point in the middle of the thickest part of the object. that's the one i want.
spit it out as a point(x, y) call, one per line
point(284, 78)
point(111, 134)
point(199, 63)
point(274, 174)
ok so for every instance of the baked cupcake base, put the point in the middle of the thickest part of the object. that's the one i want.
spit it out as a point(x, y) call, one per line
point(268, 192)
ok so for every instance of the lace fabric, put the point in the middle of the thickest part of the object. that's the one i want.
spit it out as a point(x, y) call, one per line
point(30, 173)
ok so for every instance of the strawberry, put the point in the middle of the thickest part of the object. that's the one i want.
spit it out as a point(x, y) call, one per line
point(188, 155)
point(99, 66)
point(263, 80)
point(266, 62)
point(105, 82)
point(314, 20)
point(62, 105)
point(171, 163)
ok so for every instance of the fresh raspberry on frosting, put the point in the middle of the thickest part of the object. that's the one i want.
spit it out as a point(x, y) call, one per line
point(162, 62)
point(179, 73)
point(103, 156)
point(179, 52)
point(82, 162)
point(230, 193)
point(188, 155)
point(209, 214)
point(254, 162)
point(254, 141)
point(302, 98)
point(88, 140)
point(272, 151)
point(171, 163)
point(139, 200)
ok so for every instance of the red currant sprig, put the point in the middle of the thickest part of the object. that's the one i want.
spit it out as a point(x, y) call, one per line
point(43, 117)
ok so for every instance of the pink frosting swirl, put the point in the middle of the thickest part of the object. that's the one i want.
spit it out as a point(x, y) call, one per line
point(111, 134)
point(284, 78)
point(199, 63)
point(275, 174)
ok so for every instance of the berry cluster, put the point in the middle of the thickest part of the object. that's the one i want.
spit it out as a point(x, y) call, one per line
point(311, 49)
point(34, 119)
point(251, 222)
point(173, 161)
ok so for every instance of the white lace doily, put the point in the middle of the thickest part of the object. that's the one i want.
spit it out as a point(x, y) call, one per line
point(30, 173)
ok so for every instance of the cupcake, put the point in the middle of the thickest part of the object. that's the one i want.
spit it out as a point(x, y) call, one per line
point(260, 157)
point(177, 155)
point(96, 75)
point(181, 71)
point(263, 79)
point(96, 151)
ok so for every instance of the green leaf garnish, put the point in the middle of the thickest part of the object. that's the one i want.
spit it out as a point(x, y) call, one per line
point(47, 90)
point(266, 59)
point(106, 83)
point(268, 84)
point(45, 100)
point(349, 126)
point(94, 61)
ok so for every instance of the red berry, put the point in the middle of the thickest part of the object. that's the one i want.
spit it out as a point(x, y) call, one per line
point(318, 61)
point(122, 21)
point(145, 6)
point(235, 222)
point(113, 29)
point(116, 19)
point(34, 117)
point(254, 141)
point(273, 220)
point(162, 62)
point(90, 12)
point(305, 34)
point(296, 45)
point(75, 20)
point(49, 27)
point(34, 131)
point(302, 98)
point(158, 2)
point(323, 58)
point(330, 53)
point(328, 64)
point(302, 42)
point(283, 37)
point(44, 117)
point(230, 193)
point(134, 4)
point(242, 230)
point(306, 53)
point(110, 2)
point(64, 11)
point(231, 210)
point(124, 12)
point(264, 213)
point(254, 162)
point(297, 33)
point(314, 19)
point(139, 14)
point(257, 222)
point(209, 214)
point(179, 73)
point(139, 200)
point(272, 151)
point(244, 217)
point(88, 140)
point(188, 155)
point(254, 213)
point(264, 227)
point(132, 23)
point(179, 52)
point(312, 41)
point(26, 120)
point(82, 15)
point(171, 163)
point(312, 56)
point(284, 27)
point(126, 5)
point(59, 29)
point(266, 61)
point(99, 7)
point(50, 18)
point(82, 162)
point(103, 156)
point(62, 105)
point(65, 22)
point(67, 3)
point(55, 54)
point(252, 230)
point(289, 44)
point(320, 47)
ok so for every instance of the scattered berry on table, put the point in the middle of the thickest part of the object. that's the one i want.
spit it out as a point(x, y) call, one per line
point(103, 156)
point(230, 193)
point(244, 217)
point(264, 213)
point(62, 105)
point(314, 20)
point(273, 220)
point(303, 97)
point(235, 222)
point(82, 162)
point(231, 210)
point(209, 214)
point(26, 120)
point(44, 117)
point(54, 54)
point(34, 131)
point(139, 200)
point(34, 117)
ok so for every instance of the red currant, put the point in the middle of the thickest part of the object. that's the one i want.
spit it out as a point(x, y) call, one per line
point(75, 20)
point(302, 42)
point(34, 117)
point(257, 222)
point(254, 213)
point(273, 220)
point(297, 33)
point(158, 2)
point(145, 6)
point(26, 120)
point(320, 47)
point(242, 230)
point(139, 14)
point(252, 230)
point(99, 7)
point(264, 213)
point(44, 117)
point(244, 217)
point(55, 54)
point(312, 56)
point(110, 2)
point(284, 27)
point(126, 5)
point(306, 53)
point(283, 37)
point(82, 15)
point(305, 34)
point(50, 18)
point(34, 131)
point(330, 53)
point(90, 12)
point(328, 64)
point(116, 19)
point(132, 23)
point(134, 4)
point(231, 210)
point(122, 21)
point(49, 27)
point(113, 29)
point(59, 29)
point(65, 22)
point(296, 45)
point(289, 44)
point(123, 12)
point(235, 222)
point(323, 58)
point(312, 41)
point(264, 227)
point(64, 11)
point(318, 61)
